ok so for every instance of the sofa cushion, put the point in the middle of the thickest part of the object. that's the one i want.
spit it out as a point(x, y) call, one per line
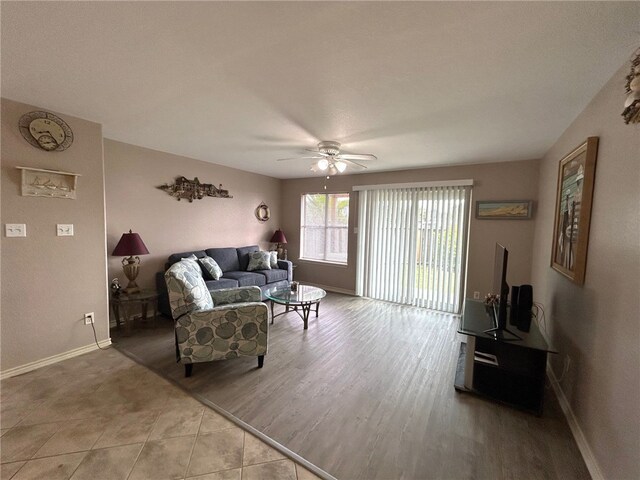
point(226, 258)
point(222, 283)
point(246, 279)
point(273, 275)
point(243, 256)
point(210, 268)
point(259, 261)
point(274, 259)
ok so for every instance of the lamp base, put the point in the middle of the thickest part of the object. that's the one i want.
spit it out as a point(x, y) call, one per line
point(282, 252)
point(131, 268)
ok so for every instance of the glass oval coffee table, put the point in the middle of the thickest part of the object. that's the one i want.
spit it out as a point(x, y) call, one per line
point(299, 301)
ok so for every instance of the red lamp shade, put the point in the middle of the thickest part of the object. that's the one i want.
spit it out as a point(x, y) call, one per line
point(130, 244)
point(278, 237)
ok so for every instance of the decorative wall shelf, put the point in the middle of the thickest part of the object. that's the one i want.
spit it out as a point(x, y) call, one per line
point(38, 182)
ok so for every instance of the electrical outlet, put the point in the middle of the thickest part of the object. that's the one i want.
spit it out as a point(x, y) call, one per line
point(476, 295)
point(88, 318)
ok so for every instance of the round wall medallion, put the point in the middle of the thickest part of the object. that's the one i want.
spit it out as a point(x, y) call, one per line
point(263, 213)
point(46, 131)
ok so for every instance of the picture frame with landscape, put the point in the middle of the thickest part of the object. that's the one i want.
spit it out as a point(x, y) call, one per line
point(503, 209)
point(574, 197)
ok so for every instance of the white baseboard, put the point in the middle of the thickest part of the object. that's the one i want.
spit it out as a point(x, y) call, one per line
point(587, 454)
point(12, 372)
point(329, 288)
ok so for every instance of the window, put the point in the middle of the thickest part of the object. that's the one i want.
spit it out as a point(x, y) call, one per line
point(324, 227)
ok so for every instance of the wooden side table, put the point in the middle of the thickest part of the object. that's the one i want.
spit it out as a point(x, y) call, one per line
point(122, 306)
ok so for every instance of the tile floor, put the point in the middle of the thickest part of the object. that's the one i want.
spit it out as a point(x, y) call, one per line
point(103, 416)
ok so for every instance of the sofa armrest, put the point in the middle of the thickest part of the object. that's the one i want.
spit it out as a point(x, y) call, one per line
point(288, 266)
point(163, 295)
point(225, 296)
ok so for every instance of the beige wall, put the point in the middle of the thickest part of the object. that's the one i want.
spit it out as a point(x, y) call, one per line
point(597, 324)
point(50, 282)
point(167, 225)
point(496, 181)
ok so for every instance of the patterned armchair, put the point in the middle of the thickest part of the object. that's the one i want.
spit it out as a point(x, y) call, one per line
point(224, 324)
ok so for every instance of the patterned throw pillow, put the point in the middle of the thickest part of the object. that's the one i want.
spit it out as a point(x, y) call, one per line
point(274, 259)
point(259, 261)
point(210, 268)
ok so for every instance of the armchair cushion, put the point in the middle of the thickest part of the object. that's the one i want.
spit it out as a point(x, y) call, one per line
point(222, 283)
point(236, 295)
point(187, 290)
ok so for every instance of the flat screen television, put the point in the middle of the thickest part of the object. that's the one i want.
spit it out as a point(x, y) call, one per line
point(501, 288)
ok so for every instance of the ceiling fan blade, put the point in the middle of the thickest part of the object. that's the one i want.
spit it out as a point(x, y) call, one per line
point(297, 158)
point(357, 156)
point(351, 162)
point(317, 152)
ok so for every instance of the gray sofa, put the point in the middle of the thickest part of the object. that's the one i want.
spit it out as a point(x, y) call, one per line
point(233, 262)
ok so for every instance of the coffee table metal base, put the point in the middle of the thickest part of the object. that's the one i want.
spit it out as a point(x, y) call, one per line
point(305, 307)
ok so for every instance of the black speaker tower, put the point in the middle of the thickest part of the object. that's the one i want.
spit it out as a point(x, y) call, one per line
point(521, 305)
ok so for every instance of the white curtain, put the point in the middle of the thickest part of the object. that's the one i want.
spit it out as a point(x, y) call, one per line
point(412, 244)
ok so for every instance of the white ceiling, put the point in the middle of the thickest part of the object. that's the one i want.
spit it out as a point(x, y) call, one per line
point(243, 84)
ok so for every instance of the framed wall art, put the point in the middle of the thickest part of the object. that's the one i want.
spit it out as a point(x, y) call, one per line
point(574, 195)
point(503, 209)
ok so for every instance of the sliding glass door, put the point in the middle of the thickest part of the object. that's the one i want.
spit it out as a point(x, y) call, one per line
point(412, 244)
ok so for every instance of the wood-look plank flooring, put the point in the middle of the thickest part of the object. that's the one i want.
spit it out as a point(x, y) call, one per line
point(367, 393)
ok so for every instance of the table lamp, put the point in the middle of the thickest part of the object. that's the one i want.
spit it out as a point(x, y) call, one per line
point(130, 244)
point(279, 239)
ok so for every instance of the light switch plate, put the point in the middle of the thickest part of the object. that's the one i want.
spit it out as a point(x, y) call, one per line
point(15, 229)
point(65, 230)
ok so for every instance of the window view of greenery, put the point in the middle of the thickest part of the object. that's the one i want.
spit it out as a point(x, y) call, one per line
point(324, 230)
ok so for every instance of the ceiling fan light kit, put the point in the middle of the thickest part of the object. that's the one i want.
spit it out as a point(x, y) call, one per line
point(329, 158)
point(323, 164)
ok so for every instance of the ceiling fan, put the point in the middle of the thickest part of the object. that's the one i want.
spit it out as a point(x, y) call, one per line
point(330, 159)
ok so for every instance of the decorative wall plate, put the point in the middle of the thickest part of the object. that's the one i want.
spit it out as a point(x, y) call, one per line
point(263, 213)
point(46, 131)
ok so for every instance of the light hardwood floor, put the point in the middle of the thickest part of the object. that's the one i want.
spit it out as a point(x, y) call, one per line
point(367, 393)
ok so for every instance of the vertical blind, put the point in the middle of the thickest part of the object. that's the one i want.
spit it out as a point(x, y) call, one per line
point(412, 245)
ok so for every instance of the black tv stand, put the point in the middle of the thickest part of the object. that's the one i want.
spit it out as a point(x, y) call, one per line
point(510, 371)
